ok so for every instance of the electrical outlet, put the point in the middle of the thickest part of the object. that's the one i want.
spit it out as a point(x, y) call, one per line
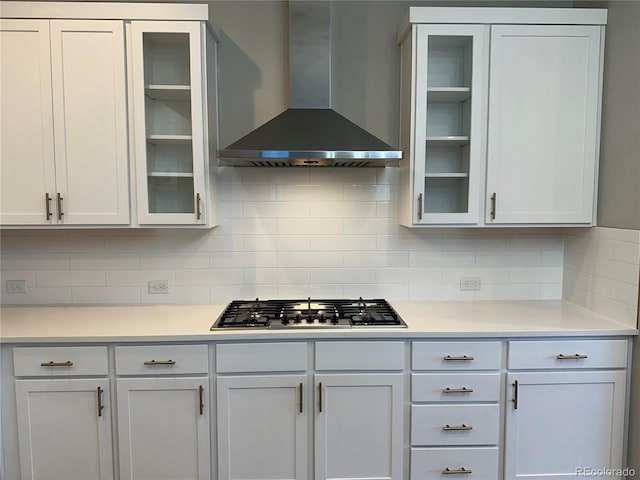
point(158, 286)
point(469, 283)
point(16, 286)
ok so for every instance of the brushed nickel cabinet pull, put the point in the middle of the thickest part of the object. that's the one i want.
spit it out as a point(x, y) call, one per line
point(420, 207)
point(201, 397)
point(449, 358)
point(457, 390)
point(456, 471)
point(301, 396)
point(47, 204)
point(198, 210)
point(60, 212)
point(575, 356)
point(320, 397)
point(68, 363)
point(493, 205)
point(100, 406)
point(160, 362)
point(449, 428)
point(515, 395)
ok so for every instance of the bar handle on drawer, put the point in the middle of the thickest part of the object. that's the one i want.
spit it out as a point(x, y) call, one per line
point(99, 392)
point(457, 390)
point(449, 428)
point(456, 471)
point(515, 395)
point(160, 362)
point(201, 398)
point(68, 363)
point(575, 356)
point(449, 358)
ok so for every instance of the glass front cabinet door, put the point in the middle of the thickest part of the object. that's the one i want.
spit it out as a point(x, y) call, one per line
point(172, 128)
point(449, 100)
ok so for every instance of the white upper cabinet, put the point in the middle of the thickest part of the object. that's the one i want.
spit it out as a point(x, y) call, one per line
point(171, 121)
point(500, 132)
point(64, 123)
point(543, 123)
point(108, 115)
point(448, 135)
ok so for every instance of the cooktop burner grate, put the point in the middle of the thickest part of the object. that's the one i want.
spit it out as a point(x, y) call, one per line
point(309, 313)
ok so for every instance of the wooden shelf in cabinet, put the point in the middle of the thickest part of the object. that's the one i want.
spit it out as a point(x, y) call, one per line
point(168, 92)
point(168, 139)
point(448, 94)
point(452, 140)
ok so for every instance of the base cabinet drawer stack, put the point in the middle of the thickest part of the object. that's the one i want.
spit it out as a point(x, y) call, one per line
point(163, 411)
point(455, 410)
point(565, 407)
point(63, 412)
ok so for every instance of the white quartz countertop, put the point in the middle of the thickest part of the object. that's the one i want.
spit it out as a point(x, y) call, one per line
point(191, 323)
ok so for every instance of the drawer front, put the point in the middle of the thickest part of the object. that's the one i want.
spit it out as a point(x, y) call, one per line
point(261, 357)
point(162, 359)
point(432, 463)
point(454, 424)
point(455, 387)
point(567, 354)
point(456, 355)
point(359, 356)
point(60, 361)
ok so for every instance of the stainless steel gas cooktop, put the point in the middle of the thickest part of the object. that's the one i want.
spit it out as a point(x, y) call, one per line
point(308, 314)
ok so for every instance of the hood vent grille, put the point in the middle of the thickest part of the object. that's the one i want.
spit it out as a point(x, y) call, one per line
point(309, 133)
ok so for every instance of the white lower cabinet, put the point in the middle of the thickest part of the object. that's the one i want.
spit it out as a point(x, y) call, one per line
point(64, 422)
point(163, 420)
point(163, 428)
point(562, 423)
point(262, 427)
point(358, 426)
point(268, 415)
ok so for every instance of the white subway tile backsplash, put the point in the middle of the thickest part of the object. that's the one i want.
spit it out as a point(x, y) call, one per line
point(70, 278)
point(602, 271)
point(28, 276)
point(317, 232)
point(104, 261)
point(105, 295)
point(34, 261)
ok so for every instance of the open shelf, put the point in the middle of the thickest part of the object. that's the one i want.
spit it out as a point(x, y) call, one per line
point(168, 92)
point(447, 175)
point(170, 174)
point(448, 94)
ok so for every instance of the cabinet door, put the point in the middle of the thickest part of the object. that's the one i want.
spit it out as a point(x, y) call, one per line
point(27, 171)
point(168, 122)
point(89, 100)
point(63, 433)
point(262, 427)
point(163, 428)
point(543, 124)
point(563, 422)
point(358, 426)
point(450, 101)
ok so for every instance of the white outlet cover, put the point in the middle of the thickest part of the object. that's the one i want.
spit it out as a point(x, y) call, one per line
point(158, 286)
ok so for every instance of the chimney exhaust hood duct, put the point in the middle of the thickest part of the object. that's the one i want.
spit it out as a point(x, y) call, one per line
point(309, 133)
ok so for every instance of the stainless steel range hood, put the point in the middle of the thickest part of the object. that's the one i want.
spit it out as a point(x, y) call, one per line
point(309, 133)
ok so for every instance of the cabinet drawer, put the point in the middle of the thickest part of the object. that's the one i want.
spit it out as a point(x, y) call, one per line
point(261, 357)
point(162, 359)
point(59, 361)
point(455, 387)
point(454, 424)
point(359, 356)
point(432, 463)
point(567, 354)
point(456, 355)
